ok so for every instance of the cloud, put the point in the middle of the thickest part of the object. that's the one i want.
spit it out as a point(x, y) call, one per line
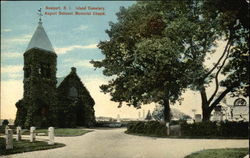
point(79, 63)
point(18, 75)
point(64, 50)
point(10, 55)
point(6, 30)
point(81, 28)
point(20, 39)
point(11, 69)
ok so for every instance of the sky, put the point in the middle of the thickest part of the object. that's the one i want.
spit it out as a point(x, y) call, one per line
point(75, 39)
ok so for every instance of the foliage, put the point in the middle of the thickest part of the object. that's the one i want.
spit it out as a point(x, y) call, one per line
point(149, 116)
point(212, 129)
point(2, 130)
point(154, 50)
point(2, 144)
point(158, 114)
point(154, 57)
point(5, 122)
point(196, 130)
point(26, 146)
point(221, 153)
point(153, 128)
point(37, 106)
point(233, 23)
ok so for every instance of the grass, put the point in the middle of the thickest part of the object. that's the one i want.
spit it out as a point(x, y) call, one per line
point(63, 132)
point(26, 146)
point(220, 153)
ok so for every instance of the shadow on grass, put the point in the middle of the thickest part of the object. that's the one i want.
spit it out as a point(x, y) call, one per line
point(61, 132)
point(26, 146)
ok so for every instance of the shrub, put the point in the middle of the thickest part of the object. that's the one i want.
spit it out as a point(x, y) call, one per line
point(201, 129)
point(148, 128)
point(2, 143)
point(5, 122)
point(234, 129)
point(213, 129)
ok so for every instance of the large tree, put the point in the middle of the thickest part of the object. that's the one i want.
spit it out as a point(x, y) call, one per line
point(233, 63)
point(156, 50)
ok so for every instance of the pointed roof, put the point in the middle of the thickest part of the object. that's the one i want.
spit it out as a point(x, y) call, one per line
point(40, 40)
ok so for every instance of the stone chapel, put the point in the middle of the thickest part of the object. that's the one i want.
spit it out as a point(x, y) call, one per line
point(48, 100)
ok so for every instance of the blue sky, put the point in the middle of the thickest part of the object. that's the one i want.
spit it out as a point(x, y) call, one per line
point(74, 37)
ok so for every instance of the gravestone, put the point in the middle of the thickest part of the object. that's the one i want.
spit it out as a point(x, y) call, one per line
point(9, 139)
point(197, 117)
point(32, 134)
point(51, 134)
point(6, 129)
point(168, 128)
point(18, 133)
point(175, 130)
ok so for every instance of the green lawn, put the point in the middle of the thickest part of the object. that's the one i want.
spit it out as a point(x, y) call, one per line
point(26, 146)
point(220, 153)
point(62, 131)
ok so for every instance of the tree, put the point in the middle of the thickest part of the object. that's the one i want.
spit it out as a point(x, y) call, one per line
point(156, 50)
point(5, 122)
point(147, 65)
point(157, 113)
point(149, 116)
point(233, 63)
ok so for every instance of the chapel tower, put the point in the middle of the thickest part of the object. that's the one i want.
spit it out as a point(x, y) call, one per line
point(39, 80)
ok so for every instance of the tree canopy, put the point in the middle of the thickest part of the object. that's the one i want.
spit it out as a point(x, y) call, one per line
point(153, 51)
point(157, 49)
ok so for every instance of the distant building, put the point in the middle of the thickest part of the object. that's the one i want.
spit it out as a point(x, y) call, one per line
point(217, 114)
point(239, 111)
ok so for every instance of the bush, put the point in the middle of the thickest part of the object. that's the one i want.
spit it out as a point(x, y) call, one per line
point(2, 143)
point(213, 129)
point(234, 129)
point(149, 128)
point(201, 129)
point(5, 122)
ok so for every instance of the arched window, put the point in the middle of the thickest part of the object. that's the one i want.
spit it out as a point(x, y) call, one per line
point(73, 92)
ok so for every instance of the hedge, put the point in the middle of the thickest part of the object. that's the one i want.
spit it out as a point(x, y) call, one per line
point(201, 129)
point(148, 128)
point(2, 143)
point(223, 129)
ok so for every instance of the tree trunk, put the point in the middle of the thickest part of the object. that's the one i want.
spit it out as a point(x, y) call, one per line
point(207, 107)
point(206, 113)
point(166, 106)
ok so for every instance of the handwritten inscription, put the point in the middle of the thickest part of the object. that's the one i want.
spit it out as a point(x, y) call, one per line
point(78, 10)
